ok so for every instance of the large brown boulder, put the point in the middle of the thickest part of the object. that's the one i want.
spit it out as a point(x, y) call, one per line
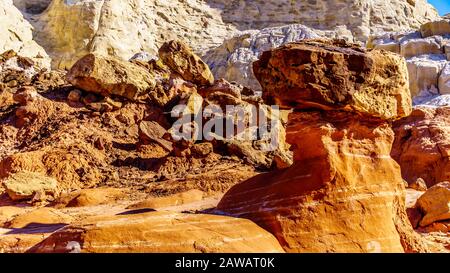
point(182, 60)
point(344, 192)
point(422, 145)
point(110, 76)
point(335, 75)
point(161, 232)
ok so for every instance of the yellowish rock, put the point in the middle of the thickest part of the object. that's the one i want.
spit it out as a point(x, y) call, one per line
point(435, 203)
point(24, 185)
point(182, 60)
point(110, 76)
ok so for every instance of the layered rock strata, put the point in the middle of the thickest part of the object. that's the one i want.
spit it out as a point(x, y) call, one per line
point(344, 192)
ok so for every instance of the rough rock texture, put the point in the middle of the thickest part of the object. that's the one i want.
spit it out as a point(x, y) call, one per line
point(435, 204)
point(169, 201)
point(427, 54)
point(24, 185)
point(422, 145)
point(182, 60)
point(319, 204)
point(335, 75)
point(16, 34)
point(161, 232)
point(360, 17)
point(439, 27)
point(110, 76)
point(69, 30)
point(233, 60)
point(344, 192)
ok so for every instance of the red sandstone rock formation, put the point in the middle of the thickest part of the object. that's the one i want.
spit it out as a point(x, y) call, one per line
point(422, 145)
point(344, 192)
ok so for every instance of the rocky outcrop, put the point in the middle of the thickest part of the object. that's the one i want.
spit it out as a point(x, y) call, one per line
point(344, 192)
point(69, 30)
point(16, 34)
point(110, 76)
point(182, 60)
point(421, 145)
point(161, 232)
point(334, 75)
point(427, 54)
point(25, 185)
point(362, 18)
point(435, 204)
point(234, 58)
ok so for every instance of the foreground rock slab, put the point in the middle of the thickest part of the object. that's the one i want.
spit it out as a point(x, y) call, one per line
point(335, 75)
point(161, 232)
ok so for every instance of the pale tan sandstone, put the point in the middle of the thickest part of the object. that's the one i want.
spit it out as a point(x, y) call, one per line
point(438, 27)
point(118, 28)
point(110, 76)
point(361, 17)
point(161, 232)
point(16, 33)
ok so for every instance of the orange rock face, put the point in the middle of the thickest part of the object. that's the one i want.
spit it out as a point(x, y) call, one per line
point(341, 194)
point(161, 232)
point(422, 145)
point(344, 192)
point(335, 75)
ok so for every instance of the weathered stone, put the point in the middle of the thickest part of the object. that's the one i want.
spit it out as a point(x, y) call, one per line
point(182, 60)
point(444, 80)
point(24, 185)
point(68, 30)
point(335, 75)
point(422, 145)
point(41, 216)
point(161, 232)
point(424, 74)
point(151, 131)
point(16, 33)
point(109, 76)
point(89, 197)
point(367, 16)
point(169, 201)
point(233, 60)
point(435, 204)
point(440, 27)
point(342, 170)
point(419, 185)
point(415, 47)
point(74, 96)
